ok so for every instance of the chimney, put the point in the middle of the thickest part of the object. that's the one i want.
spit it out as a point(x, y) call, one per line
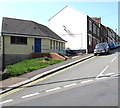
point(97, 19)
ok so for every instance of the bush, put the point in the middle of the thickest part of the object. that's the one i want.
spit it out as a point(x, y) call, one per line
point(30, 65)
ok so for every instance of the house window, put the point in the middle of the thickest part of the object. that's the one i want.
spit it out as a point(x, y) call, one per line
point(18, 40)
point(90, 43)
point(94, 28)
point(90, 25)
point(98, 32)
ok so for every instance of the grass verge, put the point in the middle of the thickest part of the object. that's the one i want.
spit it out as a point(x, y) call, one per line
point(30, 65)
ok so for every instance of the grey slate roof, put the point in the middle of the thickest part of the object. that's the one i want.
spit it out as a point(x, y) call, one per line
point(27, 27)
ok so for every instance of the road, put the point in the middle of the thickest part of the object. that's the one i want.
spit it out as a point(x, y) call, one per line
point(93, 82)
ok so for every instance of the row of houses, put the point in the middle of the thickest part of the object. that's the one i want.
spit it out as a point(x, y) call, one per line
point(69, 29)
point(81, 31)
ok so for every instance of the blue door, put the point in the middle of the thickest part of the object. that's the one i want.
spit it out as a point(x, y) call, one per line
point(37, 45)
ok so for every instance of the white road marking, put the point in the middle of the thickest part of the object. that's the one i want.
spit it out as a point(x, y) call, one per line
point(26, 96)
point(102, 71)
point(86, 81)
point(75, 57)
point(6, 101)
point(70, 85)
point(57, 88)
point(113, 59)
point(109, 73)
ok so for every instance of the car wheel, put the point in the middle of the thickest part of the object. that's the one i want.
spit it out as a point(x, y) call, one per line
point(95, 54)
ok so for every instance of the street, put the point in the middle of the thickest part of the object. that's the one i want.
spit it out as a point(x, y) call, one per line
point(93, 82)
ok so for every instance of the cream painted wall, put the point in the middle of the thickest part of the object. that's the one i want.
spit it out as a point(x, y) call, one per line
point(45, 45)
point(46, 48)
point(18, 49)
point(29, 48)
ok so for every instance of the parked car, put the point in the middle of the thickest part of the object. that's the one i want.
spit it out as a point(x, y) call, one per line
point(101, 48)
point(117, 44)
point(112, 45)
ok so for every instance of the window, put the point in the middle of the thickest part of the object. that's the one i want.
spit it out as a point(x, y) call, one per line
point(51, 44)
point(94, 28)
point(59, 46)
point(18, 40)
point(90, 25)
point(98, 32)
point(90, 41)
point(56, 45)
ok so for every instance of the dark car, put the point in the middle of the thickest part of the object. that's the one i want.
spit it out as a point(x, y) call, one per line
point(101, 48)
point(112, 45)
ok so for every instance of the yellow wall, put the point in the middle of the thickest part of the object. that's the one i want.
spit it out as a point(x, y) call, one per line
point(18, 49)
point(45, 45)
point(29, 48)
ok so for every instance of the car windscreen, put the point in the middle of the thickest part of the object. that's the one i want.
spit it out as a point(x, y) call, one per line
point(100, 46)
point(111, 44)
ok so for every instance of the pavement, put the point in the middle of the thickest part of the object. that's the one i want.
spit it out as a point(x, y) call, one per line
point(14, 82)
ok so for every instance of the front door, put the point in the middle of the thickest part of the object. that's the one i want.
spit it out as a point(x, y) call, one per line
point(37, 45)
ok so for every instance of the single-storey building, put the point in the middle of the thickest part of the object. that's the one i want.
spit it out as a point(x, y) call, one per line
point(20, 38)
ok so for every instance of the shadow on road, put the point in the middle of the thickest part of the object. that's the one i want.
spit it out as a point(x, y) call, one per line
point(56, 82)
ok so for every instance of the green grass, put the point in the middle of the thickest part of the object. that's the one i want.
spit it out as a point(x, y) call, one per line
point(30, 65)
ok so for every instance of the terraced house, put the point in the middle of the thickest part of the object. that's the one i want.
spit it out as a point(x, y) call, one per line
point(81, 32)
point(21, 38)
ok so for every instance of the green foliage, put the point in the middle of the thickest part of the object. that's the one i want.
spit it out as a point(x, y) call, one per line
point(30, 65)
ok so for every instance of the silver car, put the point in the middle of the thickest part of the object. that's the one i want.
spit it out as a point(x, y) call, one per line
point(101, 48)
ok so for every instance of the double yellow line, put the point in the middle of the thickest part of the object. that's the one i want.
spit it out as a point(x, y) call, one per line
point(41, 79)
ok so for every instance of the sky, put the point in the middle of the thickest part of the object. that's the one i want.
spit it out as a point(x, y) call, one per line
point(41, 11)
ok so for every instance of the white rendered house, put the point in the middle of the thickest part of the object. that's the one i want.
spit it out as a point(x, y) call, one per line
point(71, 25)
